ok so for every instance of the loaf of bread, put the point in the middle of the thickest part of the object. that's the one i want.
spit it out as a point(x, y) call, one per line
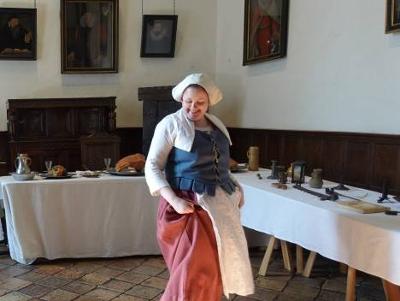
point(58, 170)
point(233, 165)
point(135, 161)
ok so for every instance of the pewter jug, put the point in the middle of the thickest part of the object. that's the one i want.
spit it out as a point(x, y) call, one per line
point(316, 178)
point(22, 163)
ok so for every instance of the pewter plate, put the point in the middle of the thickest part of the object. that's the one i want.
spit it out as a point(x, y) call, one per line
point(51, 177)
point(125, 173)
point(23, 177)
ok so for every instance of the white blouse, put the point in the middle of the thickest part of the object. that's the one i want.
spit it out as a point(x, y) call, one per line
point(174, 130)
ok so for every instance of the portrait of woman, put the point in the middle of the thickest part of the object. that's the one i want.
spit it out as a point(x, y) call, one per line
point(265, 31)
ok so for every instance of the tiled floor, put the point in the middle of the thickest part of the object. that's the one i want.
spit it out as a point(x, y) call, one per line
point(144, 277)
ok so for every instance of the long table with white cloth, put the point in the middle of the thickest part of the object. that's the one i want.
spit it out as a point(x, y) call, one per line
point(115, 216)
point(109, 216)
point(366, 242)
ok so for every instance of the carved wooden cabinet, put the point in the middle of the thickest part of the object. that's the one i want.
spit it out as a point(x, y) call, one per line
point(51, 128)
point(157, 103)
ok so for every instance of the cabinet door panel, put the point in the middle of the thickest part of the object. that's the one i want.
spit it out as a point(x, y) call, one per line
point(30, 123)
point(90, 120)
point(59, 123)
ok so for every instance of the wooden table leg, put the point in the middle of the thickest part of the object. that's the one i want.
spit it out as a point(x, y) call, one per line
point(267, 256)
point(286, 257)
point(299, 259)
point(351, 284)
point(392, 291)
point(309, 264)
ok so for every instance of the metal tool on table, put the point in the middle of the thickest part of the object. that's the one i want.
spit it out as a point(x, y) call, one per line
point(274, 171)
point(341, 186)
point(384, 195)
point(323, 197)
point(330, 191)
point(392, 212)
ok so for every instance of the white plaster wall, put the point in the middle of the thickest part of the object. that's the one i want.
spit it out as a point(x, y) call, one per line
point(195, 51)
point(342, 72)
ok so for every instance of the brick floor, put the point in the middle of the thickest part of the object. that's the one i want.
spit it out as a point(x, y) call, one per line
point(143, 278)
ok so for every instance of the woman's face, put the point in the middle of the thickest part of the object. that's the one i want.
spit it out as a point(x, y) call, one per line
point(195, 103)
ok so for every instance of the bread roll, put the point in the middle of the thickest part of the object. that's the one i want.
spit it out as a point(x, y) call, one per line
point(135, 161)
point(233, 165)
point(58, 170)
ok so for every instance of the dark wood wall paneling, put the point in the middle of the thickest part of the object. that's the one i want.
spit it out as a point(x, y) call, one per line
point(4, 153)
point(131, 140)
point(364, 160)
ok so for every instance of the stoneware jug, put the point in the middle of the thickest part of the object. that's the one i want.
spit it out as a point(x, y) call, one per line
point(22, 163)
point(316, 178)
point(253, 156)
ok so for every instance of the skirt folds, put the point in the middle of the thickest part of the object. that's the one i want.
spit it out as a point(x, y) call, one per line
point(188, 245)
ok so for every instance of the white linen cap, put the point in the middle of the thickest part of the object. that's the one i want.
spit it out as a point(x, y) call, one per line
point(201, 79)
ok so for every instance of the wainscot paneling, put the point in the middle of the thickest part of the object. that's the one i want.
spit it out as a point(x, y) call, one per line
point(4, 153)
point(363, 160)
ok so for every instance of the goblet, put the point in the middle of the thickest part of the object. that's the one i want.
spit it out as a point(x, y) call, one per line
point(107, 163)
point(48, 164)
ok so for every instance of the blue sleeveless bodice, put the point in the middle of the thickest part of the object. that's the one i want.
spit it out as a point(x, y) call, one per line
point(204, 168)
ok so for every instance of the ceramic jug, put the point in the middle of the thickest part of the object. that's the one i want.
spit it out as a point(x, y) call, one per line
point(22, 163)
point(316, 178)
point(253, 156)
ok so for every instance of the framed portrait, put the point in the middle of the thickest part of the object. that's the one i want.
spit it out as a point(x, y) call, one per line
point(89, 36)
point(18, 33)
point(392, 16)
point(265, 30)
point(158, 35)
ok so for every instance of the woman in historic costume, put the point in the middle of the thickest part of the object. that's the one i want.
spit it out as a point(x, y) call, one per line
point(198, 222)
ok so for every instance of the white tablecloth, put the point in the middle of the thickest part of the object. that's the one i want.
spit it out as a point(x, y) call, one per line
point(116, 216)
point(82, 217)
point(366, 242)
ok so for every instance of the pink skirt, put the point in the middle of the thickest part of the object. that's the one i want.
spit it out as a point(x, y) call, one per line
point(188, 245)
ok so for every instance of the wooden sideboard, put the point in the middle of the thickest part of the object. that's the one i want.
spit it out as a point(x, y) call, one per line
point(51, 128)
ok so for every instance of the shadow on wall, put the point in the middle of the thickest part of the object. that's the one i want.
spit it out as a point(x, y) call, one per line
point(264, 68)
point(230, 109)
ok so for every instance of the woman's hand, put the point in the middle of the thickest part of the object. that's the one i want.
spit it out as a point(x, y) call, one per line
point(182, 206)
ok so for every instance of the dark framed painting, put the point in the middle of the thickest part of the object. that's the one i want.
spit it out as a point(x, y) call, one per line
point(18, 33)
point(392, 16)
point(265, 30)
point(158, 35)
point(89, 36)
